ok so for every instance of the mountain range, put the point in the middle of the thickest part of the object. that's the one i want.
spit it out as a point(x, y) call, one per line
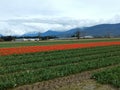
point(97, 30)
point(103, 29)
point(68, 33)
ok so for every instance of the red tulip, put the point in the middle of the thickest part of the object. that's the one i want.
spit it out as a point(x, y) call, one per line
point(32, 49)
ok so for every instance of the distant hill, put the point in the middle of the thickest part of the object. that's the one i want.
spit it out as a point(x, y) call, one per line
point(48, 33)
point(97, 30)
point(52, 33)
point(103, 29)
point(30, 34)
point(72, 32)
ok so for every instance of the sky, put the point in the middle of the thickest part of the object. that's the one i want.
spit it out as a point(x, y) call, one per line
point(21, 16)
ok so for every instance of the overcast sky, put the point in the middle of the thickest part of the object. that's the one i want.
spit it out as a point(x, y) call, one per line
point(21, 16)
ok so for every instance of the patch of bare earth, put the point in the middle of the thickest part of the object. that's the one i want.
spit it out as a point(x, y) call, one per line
point(81, 81)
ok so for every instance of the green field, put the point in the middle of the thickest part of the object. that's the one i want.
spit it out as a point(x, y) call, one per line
point(18, 70)
point(110, 76)
point(52, 42)
point(24, 69)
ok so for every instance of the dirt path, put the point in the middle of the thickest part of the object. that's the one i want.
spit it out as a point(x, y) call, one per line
point(81, 81)
point(87, 85)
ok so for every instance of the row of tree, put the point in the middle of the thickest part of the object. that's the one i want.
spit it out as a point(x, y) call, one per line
point(12, 38)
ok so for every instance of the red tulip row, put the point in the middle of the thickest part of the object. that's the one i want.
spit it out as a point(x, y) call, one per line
point(31, 49)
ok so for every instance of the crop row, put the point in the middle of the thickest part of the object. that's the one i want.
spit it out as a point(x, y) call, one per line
point(45, 64)
point(56, 55)
point(33, 49)
point(110, 76)
point(28, 77)
point(15, 72)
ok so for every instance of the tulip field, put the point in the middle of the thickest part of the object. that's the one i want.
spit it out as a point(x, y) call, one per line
point(32, 49)
point(30, 64)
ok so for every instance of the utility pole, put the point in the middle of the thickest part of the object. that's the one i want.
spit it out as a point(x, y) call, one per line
point(109, 35)
point(78, 33)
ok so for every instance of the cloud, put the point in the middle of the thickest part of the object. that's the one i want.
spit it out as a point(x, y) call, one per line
point(82, 9)
point(22, 25)
point(7, 28)
point(21, 16)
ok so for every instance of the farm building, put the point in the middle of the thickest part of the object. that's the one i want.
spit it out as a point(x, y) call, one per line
point(88, 37)
point(27, 39)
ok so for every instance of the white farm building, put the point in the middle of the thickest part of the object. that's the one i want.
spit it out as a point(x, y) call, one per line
point(27, 39)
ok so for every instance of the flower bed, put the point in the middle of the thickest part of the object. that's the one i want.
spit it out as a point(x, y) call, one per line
point(32, 49)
